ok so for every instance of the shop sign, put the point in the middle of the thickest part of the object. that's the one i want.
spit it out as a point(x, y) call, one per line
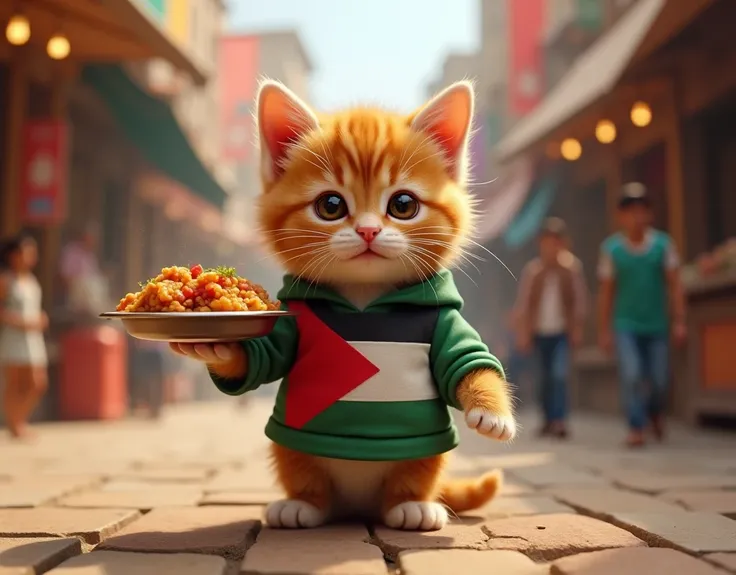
point(44, 171)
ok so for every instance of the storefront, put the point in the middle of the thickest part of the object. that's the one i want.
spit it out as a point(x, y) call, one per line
point(652, 101)
point(67, 158)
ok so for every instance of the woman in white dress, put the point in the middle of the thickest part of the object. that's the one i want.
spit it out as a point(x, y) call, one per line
point(22, 322)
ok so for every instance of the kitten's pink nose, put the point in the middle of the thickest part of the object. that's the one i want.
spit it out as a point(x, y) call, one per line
point(368, 233)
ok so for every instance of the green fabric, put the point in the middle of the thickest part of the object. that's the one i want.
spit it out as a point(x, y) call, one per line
point(368, 430)
point(641, 298)
point(153, 129)
point(372, 430)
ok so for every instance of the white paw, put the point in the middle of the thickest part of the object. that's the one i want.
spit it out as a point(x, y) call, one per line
point(417, 515)
point(293, 514)
point(499, 427)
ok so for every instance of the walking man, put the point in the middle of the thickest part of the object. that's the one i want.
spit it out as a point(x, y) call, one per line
point(551, 309)
point(641, 301)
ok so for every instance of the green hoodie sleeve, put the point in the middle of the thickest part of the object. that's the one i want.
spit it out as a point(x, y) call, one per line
point(270, 358)
point(456, 351)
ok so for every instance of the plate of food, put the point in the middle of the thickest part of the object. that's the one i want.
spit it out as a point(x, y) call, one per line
point(185, 304)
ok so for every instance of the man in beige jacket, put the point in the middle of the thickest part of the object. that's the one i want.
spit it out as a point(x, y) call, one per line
point(551, 307)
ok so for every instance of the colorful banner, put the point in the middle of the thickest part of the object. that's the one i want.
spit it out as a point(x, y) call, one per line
point(238, 67)
point(44, 172)
point(526, 58)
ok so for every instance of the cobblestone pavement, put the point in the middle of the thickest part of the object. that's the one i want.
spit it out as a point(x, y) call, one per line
point(184, 496)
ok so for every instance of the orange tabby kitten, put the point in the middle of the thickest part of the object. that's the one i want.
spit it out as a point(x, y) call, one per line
point(366, 210)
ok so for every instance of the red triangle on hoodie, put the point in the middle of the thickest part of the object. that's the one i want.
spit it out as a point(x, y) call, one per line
point(327, 368)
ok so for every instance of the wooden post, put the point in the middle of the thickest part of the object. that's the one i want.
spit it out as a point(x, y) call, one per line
point(51, 238)
point(613, 182)
point(674, 171)
point(17, 113)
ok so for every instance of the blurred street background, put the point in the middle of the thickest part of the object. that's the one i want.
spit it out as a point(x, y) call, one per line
point(127, 144)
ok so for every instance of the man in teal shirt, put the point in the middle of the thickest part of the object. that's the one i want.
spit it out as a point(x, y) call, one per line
point(641, 302)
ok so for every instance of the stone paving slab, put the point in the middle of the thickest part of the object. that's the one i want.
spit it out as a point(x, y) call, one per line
point(715, 501)
point(114, 563)
point(92, 525)
point(725, 560)
point(169, 474)
point(686, 530)
point(633, 561)
point(259, 478)
point(466, 561)
point(555, 475)
point(549, 537)
point(511, 487)
point(21, 556)
point(35, 490)
point(226, 531)
point(143, 499)
point(241, 497)
point(452, 536)
point(603, 502)
point(510, 506)
point(654, 483)
point(339, 550)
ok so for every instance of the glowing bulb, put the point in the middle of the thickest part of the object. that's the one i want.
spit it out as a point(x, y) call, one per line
point(18, 31)
point(571, 149)
point(58, 47)
point(605, 131)
point(641, 114)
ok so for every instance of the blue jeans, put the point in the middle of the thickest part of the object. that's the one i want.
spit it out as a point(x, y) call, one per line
point(554, 356)
point(643, 358)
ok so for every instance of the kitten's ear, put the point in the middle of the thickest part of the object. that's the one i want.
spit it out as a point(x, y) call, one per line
point(282, 120)
point(447, 119)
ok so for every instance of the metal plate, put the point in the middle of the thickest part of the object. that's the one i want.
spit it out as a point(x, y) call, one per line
point(205, 327)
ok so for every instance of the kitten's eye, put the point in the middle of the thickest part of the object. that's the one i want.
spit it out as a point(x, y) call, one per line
point(331, 206)
point(403, 206)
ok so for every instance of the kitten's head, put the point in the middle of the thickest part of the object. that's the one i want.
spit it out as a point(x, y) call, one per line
point(364, 195)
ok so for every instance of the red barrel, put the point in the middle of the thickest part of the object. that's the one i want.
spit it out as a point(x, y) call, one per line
point(94, 379)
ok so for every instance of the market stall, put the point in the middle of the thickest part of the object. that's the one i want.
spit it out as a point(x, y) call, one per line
point(710, 283)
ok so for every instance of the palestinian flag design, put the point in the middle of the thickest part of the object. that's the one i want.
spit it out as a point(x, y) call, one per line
point(345, 356)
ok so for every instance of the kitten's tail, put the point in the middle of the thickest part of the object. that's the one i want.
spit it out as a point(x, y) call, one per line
point(466, 494)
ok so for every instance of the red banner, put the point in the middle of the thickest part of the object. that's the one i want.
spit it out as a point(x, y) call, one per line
point(44, 172)
point(238, 69)
point(526, 58)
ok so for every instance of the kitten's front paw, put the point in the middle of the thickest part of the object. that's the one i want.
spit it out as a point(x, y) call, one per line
point(501, 427)
point(293, 514)
point(417, 516)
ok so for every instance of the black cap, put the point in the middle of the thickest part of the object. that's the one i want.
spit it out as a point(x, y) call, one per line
point(633, 193)
point(554, 227)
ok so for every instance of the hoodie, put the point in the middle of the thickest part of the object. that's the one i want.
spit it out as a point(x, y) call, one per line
point(372, 384)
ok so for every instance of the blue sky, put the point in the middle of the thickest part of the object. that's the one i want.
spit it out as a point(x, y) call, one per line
point(368, 51)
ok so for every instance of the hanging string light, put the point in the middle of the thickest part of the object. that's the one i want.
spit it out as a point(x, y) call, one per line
point(58, 46)
point(571, 149)
point(605, 131)
point(18, 30)
point(641, 114)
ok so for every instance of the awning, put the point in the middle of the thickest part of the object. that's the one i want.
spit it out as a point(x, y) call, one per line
point(529, 221)
point(594, 74)
point(134, 15)
point(153, 129)
point(507, 195)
